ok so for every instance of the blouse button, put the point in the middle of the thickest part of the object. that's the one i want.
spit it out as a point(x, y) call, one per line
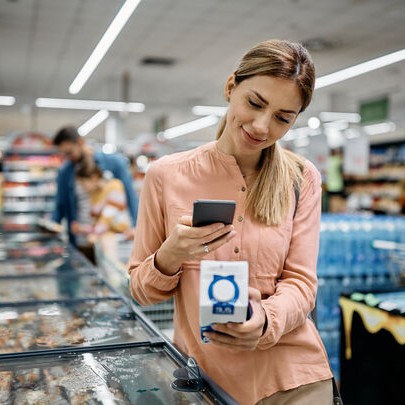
point(243, 188)
point(240, 219)
point(236, 250)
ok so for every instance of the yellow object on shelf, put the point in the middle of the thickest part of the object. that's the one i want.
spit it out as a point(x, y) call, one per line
point(374, 319)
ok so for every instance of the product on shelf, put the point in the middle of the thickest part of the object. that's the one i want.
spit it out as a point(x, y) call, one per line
point(349, 261)
point(30, 166)
point(382, 190)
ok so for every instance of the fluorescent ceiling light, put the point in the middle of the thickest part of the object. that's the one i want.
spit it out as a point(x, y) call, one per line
point(89, 104)
point(188, 127)
point(7, 100)
point(104, 45)
point(109, 148)
point(339, 116)
point(351, 133)
point(297, 133)
point(359, 69)
point(93, 122)
point(340, 125)
point(209, 110)
point(314, 122)
point(380, 128)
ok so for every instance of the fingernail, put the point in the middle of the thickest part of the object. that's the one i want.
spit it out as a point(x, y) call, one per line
point(206, 338)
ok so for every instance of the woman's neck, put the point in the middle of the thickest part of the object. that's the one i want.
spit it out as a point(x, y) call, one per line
point(248, 163)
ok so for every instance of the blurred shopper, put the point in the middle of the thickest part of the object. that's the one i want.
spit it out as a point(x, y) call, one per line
point(108, 206)
point(71, 200)
point(277, 356)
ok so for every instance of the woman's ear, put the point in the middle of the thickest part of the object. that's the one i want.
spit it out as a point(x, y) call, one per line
point(229, 85)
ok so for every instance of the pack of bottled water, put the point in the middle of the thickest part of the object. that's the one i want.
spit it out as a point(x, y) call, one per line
point(355, 254)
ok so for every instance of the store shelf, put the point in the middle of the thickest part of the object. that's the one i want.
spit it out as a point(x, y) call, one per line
point(29, 177)
point(21, 206)
point(30, 166)
point(348, 262)
point(382, 190)
point(33, 163)
point(30, 192)
point(41, 149)
point(19, 222)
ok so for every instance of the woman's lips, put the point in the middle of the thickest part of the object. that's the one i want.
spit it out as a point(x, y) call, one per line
point(252, 139)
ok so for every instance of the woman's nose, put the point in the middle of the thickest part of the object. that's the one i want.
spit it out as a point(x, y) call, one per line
point(261, 124)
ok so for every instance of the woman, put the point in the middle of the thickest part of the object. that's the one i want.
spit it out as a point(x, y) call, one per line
point(277, 355)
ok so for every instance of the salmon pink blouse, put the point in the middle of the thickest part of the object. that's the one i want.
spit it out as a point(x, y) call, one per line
point(282, 265)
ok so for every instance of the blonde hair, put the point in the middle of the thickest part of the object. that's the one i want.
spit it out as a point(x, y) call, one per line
point(271, 195)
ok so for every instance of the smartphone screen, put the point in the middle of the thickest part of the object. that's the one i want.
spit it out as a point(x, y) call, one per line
point(206, 212)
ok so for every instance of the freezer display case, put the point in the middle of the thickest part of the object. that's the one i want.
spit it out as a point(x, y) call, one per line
point(43, 266)
point(68, 337)
point(28, 328)
point(53, 288)
point(31, 253)
point(133, 375)
point(32, 245)
point(112, 256)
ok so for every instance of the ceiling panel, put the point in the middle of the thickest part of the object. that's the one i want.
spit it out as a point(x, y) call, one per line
point(44, 43)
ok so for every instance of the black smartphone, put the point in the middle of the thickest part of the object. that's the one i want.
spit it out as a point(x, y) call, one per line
point(207, 212)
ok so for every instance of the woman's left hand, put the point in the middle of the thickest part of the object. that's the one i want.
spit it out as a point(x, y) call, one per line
point(244, 335)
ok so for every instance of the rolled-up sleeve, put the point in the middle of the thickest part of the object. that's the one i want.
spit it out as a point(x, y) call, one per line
point(295, 292)
point(147, 284)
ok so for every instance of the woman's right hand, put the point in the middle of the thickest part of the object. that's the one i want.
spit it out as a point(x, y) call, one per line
point(187, 243)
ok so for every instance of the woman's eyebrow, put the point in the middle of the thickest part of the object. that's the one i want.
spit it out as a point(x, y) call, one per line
point(289, 111)
point(258, 95)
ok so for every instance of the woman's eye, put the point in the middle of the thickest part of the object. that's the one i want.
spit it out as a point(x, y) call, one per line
point(282, 119)
point(253, 104)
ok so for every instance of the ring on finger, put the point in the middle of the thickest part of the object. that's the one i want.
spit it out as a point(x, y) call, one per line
point(205, 248)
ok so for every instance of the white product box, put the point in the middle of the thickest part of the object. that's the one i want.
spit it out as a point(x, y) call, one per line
point(223, 293)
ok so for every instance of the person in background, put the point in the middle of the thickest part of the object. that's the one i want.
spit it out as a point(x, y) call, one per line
point(277, 356)
point(71, 200)
point(108, 207)
point(137, 175)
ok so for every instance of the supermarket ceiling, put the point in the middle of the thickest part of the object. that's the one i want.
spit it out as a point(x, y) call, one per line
point(174, 54)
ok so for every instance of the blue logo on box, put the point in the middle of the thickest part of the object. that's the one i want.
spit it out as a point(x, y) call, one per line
point(221, 307)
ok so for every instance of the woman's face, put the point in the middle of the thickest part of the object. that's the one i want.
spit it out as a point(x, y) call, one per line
point(261, 111)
